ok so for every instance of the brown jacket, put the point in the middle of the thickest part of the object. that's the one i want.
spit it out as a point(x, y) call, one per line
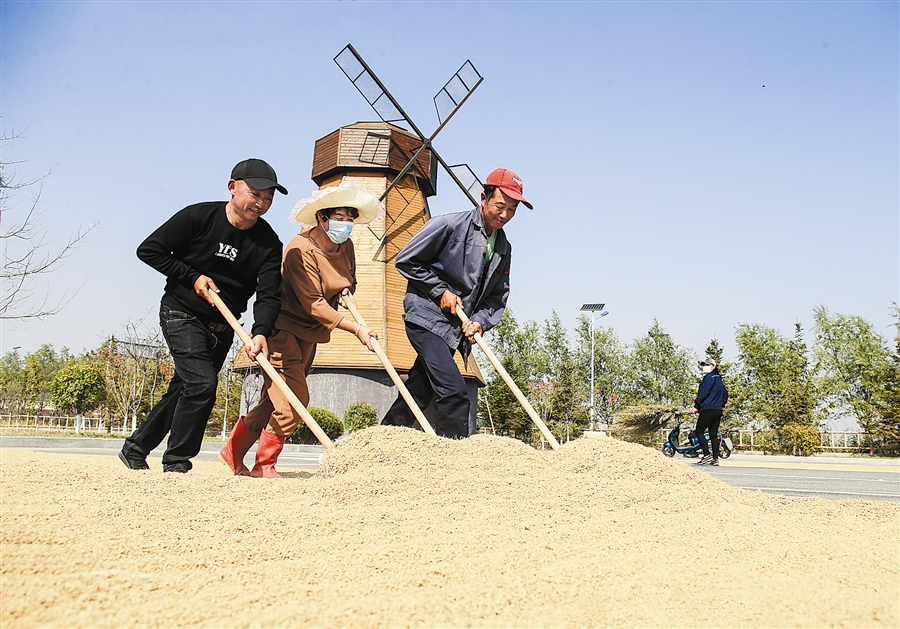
point(312, 281)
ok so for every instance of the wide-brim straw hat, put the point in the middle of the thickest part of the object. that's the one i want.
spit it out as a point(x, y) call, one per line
point(346, 194)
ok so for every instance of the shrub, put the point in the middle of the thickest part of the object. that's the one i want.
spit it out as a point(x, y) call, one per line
point(767, 441)
point(360, 416)
point(329, 422)
point(797, 439)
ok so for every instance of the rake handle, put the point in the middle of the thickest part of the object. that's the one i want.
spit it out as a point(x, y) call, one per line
point(510, 383)
point(350, 303)
point(274, 376)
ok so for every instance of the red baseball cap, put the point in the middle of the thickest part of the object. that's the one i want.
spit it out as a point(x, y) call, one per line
point(510, 183)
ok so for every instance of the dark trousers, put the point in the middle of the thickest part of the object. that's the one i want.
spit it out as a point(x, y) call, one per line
point(183, 412)
point(434, 374)
point(709, 420)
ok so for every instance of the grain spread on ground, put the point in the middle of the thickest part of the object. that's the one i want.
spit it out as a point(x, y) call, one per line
point(402, 529)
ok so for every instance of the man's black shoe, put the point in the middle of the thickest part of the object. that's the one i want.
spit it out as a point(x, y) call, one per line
point(181, 467)
point(133, 464)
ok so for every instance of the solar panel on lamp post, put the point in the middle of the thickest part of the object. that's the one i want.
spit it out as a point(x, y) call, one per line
point(593, 309)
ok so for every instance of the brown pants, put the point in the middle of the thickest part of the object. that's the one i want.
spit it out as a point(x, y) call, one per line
point(292, 358)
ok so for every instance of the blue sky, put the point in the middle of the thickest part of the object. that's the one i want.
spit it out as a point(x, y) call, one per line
point(667, 181)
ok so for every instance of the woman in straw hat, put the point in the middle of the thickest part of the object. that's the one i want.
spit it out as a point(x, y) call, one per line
point(319, 266)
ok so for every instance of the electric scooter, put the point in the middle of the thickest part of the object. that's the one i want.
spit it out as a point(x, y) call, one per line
point(692, 448)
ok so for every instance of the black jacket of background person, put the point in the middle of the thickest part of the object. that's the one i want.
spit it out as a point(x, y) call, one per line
point(711, 394)
point(199, 240)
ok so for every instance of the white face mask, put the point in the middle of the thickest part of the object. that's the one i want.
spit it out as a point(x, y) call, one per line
point(339, 231)
point(707, 368)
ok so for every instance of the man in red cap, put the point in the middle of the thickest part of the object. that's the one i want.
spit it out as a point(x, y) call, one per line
point(455, 260)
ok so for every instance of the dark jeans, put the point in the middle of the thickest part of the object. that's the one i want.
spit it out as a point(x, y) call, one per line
point(433, 374)
point(183, 412)
point(709, 420)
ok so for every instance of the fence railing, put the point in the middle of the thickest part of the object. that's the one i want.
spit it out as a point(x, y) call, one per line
point(747, 439)
point(829, 441)
point(55, 423)
point(743, 439)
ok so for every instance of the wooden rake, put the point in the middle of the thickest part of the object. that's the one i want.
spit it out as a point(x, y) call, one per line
point(511, 384)
point(274, 376)
point(350, 304)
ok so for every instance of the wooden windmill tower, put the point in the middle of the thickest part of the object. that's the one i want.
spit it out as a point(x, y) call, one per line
point(397, 163)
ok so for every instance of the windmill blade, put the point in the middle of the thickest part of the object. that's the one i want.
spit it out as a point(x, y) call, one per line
point(456, 91)
point(466, 179)
point(462, 186)
point(372, 89)
point(447, 102)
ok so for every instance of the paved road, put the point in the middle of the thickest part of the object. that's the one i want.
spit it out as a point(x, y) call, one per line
point(294, 457)
point(827, 477)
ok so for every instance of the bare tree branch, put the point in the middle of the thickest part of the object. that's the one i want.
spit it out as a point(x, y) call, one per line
point(27, 252)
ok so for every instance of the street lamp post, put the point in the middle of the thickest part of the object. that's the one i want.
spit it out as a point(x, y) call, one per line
point(593, 309)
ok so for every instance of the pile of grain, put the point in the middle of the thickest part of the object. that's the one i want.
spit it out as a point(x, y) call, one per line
point(402, 529)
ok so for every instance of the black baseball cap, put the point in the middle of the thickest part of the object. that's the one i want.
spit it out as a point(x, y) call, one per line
point(258, 174)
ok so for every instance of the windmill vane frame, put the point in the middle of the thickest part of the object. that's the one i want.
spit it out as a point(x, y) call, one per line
point(455, 92)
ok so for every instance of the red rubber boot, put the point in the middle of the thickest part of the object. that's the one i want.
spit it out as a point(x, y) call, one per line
point(266, 455)
point(240, 441)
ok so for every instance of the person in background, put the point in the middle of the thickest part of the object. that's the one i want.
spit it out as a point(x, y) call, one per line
point(711, 399)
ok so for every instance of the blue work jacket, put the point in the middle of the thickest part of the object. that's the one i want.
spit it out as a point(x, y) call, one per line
point(448, 253)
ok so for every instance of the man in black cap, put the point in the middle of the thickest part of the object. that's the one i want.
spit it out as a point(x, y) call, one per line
point(221, 247)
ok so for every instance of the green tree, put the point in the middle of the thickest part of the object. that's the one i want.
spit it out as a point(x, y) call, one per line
point(774, 385)
point(40, 368)
point(889, 405)
point(330, 423)
point(12, 382)
point(714, 350)
point(563, 399)
point(78, 387)
point(852, 363)
point(659, 370)
point(516, 349)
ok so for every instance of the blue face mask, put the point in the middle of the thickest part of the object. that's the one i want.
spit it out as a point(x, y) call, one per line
point(339, 231)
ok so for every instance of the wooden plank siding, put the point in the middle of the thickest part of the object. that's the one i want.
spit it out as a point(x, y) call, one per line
point(325, 153)
point(377, 146)
point(408, 211)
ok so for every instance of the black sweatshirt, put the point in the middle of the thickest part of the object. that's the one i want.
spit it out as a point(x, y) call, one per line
point(199, 240)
